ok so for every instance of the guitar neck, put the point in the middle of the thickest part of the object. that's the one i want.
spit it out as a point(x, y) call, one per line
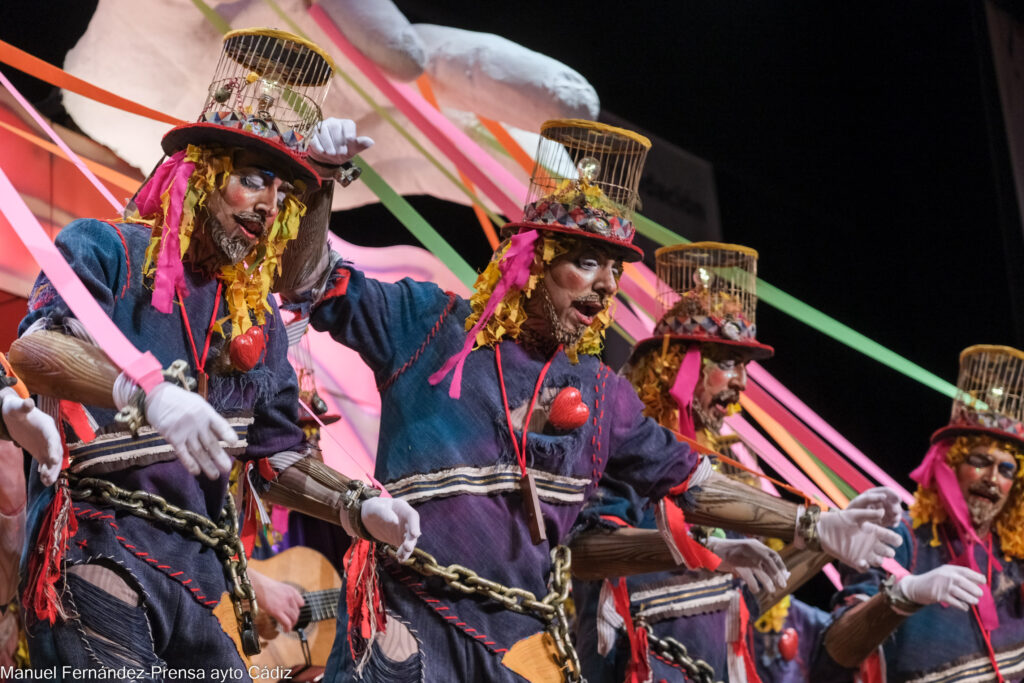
point(320, 605)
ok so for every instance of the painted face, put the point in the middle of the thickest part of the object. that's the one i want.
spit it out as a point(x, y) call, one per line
point(240, 214)
point(723, 377)
point(986, 476)
point(576, 287)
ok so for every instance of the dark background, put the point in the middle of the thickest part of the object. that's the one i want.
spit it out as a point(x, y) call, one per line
point(859, 147)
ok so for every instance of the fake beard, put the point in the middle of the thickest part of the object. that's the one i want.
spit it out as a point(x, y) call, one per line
point(234, 247)
point(983, 511)
point(560, 332)
point(710, 417)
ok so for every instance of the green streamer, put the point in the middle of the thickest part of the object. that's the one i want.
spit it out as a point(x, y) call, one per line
point(790, 305)
point(384, 114)
point(417, 225)
point(840, 483)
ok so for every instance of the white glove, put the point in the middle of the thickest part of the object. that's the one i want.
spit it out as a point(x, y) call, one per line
point(880, 498)
point(392, 521)
point(334, 142)
point(35, 431)
point(854, 537)
point(759, 566)
point(957, 586)
point(187, 422)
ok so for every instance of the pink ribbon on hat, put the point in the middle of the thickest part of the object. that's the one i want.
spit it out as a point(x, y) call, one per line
point(935, 473)
point(172, 176)
point(683, 388)
point(515, 273)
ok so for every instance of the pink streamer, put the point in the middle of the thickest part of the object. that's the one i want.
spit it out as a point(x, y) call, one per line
point(935, 473)
point(467, 156)
point(143, 368)
point(815, 422)
point(74, 158)
point(771, 455)
point(683, 388)
point(515, 273)
point(172, 176)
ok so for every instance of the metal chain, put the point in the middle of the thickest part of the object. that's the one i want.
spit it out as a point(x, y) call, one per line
point(550, 609)
point(676, 654)
point(224, 540)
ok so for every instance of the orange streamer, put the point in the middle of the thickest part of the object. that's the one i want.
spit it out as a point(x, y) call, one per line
point(44, 71)
point(795, 451)
point(113, 177)
point(423, 83)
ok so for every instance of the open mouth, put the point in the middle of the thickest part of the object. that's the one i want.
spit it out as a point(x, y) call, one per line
point(250, 224)
point(587, 309)
point(722, 403)
point(986, 494)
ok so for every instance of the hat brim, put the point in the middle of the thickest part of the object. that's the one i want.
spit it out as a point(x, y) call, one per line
point(206, 133)
point(752, 350)
point(951, 431)
point(629, 252)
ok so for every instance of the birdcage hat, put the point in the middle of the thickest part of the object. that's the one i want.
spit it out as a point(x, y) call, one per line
point(585, 182)
point(266, 95)
point(989, 394)
point(708, 293)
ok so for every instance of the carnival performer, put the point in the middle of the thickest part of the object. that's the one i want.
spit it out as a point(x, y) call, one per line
point(131, 550)
point(498, 420)
point(690, 374)
point(958, 614)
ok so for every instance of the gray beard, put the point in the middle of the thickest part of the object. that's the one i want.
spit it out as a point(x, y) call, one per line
point(983, 513)
point(701, 418)
point(560, 332)
point(235, 248)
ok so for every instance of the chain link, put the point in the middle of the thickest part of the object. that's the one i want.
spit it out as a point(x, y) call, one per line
point(222, 538)
point(550, 609)
point(676, 653)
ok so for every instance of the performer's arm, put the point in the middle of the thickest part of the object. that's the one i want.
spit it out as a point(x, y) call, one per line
point(313, 488)
point(861, 629)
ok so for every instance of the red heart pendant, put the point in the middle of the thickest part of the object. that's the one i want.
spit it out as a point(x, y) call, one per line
point(247, 349)
point(568, 411)
point(789, 641)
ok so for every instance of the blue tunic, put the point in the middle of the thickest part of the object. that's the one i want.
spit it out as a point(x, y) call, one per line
point(943, 643)
point(455, 463)
point(700, 609)
point(183, 578)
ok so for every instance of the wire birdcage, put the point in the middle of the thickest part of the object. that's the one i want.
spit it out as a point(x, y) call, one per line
point(271, 83)
point(587, 176)
point(709, 285)
point(990, 390)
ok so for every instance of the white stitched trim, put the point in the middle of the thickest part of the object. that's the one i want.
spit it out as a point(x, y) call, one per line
point(509, 481)
point(961, 672)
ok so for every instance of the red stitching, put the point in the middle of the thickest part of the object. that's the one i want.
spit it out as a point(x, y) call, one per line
point(145, 556)
point(426, 342)
point(127, 259)
point(418, 589)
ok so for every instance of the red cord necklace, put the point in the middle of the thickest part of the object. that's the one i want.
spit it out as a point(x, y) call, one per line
point(527, 485)
point(202, 387)
point(974, 608)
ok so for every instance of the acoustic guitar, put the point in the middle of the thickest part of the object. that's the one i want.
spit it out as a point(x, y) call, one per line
point(314, 576)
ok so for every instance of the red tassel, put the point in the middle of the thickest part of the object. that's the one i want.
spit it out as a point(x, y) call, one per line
point(363, 597)
point(740, 647)
point(871, 669)
point(44, 564)
point(694, 554)
point(639, 668)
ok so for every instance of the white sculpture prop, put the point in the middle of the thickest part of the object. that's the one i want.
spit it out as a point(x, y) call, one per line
point(161, 55)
